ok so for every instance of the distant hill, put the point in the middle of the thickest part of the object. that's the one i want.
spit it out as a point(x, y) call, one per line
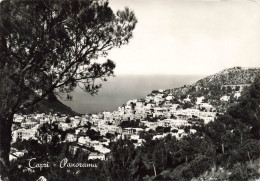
point(51, 106)
point(231, 76)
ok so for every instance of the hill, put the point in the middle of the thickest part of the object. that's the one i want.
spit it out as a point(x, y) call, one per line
point(231, 76)
point(51, 106)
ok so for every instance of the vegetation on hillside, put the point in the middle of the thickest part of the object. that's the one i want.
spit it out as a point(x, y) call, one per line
point(231, 76)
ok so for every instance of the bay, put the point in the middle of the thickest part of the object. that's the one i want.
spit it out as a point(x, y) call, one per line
point(119, 89)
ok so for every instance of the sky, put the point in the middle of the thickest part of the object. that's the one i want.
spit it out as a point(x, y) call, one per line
point(189, 36)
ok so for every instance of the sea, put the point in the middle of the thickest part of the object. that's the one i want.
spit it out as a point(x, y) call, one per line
point(119, 89)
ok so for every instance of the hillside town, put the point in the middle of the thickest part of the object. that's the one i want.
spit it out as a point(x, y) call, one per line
point(161, 113)
point(182, 102)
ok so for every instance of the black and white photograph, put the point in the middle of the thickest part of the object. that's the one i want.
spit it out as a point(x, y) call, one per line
point(129, 90)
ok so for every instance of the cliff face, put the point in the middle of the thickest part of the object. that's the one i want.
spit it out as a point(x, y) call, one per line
point(231, 76)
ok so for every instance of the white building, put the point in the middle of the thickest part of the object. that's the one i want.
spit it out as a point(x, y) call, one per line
point(237, 94)
point(134, 137)
point(208, 119)
point(101, 149)
point(71, 137)
point(104, 129)
point(94, 156)
point(23, 134)
point(225, 98)
point(179, 122)
point(169, 97)
point(199, 100)
point(18, 118)
point(206, 106)
point(28, 125)
point(84, 140)
point(64, 126)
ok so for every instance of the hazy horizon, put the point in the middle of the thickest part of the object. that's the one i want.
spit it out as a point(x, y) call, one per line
point(118, 90)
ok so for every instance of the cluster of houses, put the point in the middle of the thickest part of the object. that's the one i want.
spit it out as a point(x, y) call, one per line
point(235, 91)
point(156, 110)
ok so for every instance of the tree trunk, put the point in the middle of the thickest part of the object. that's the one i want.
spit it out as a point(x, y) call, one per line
point(251, 163)
point(223, 149)
point(5, 141)
point(154, 169)
point(241, 138)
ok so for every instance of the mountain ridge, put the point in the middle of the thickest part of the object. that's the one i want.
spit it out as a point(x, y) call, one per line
point(230, 76)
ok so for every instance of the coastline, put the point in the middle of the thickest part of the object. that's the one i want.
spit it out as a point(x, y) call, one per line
point(122, 88)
